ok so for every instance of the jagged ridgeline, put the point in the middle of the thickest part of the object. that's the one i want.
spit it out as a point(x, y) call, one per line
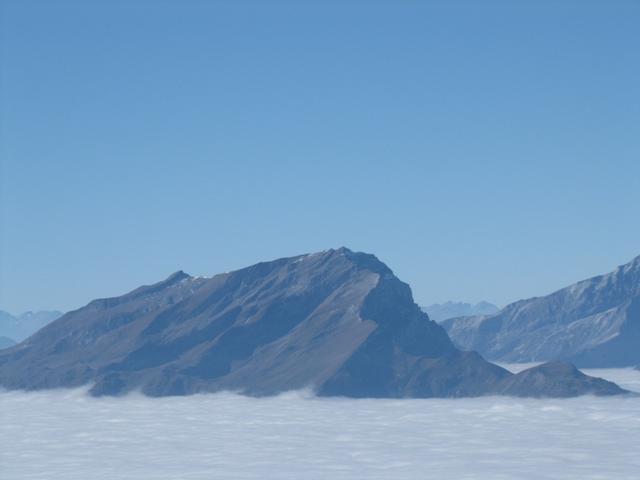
point(593, 323)
point(337, 321)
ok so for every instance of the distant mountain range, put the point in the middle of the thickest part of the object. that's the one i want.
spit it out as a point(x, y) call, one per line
point(17, 328)
point(594, 323)
point(337, 321)
point(6, 342)
point(443, 311)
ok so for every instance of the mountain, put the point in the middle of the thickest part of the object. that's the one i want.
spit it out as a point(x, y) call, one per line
point(555, 379)
point(594, 323)
point(6, 342)
point(337, 321)
point(20, 327)
point(443, 311)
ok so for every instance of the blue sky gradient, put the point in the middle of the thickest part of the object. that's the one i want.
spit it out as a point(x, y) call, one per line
point(484, 150)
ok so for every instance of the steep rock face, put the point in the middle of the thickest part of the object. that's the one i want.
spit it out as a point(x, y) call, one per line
point(408, 356)
point(337, 321)
point(594, 323)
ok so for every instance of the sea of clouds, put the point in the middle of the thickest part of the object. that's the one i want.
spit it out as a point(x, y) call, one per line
point(68, 435)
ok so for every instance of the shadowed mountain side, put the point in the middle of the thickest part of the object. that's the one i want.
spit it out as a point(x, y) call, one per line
point(457, 374)
point(337, 321)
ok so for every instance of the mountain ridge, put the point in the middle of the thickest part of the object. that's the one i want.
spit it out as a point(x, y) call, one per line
point(594, 323)
point(337, 321)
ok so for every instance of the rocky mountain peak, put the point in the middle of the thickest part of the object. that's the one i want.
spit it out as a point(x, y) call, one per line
point(336, 321)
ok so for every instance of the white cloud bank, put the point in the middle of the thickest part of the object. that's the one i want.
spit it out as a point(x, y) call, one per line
point(68, 435)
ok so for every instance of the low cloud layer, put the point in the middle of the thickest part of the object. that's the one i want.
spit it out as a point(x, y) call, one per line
point(68, 435)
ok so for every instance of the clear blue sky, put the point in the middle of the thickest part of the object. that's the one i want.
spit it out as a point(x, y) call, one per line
point(483, 150)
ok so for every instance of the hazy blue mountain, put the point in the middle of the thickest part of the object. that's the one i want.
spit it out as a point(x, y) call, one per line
point(22, 326)
point(594, 323)
point(337, 321)
point(6, 342)
point(442, 311)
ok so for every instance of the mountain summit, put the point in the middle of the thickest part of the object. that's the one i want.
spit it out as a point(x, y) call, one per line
point(593, 323)
point(337, 321)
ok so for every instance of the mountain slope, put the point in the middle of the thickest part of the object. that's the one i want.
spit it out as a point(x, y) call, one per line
point(594, 323)
point(337, 321)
